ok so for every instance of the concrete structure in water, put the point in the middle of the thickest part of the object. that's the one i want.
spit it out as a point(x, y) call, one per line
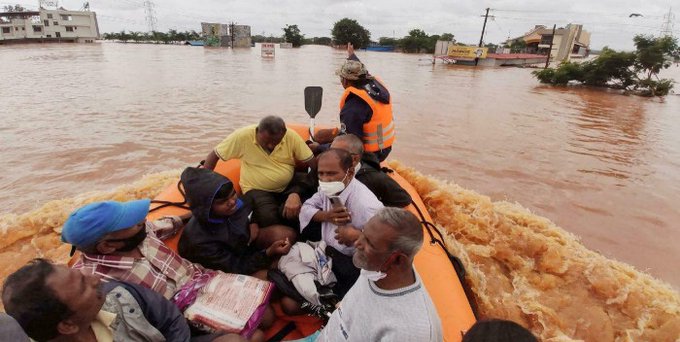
point(48, 25)
point(226, 35)
point(571, 41)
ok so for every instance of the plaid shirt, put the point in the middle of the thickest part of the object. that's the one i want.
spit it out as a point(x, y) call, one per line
point(159, 268)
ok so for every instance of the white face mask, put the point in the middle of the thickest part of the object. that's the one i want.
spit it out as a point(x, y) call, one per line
point(373, 275)
point(332, 188)
point(357, 168)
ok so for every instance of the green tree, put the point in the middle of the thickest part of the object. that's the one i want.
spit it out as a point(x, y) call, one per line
point(416, 41)
point(172, 35)
point(518, 46)
point(193, 35)
point(350, 31)
point(633, 71)
point(291, 34)
point(135, 36)
point(123, 36)
point(388, 41)
point(654, 54)
point(318, 41)
point(15, 8)
point(447, 37)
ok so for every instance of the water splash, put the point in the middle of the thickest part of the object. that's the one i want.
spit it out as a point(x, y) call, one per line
point(524, 268)
point(37, 233)
point(520, 266)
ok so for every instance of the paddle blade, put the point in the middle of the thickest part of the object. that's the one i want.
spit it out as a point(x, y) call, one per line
point(313, 96)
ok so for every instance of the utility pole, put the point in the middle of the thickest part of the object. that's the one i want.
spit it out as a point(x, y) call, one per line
point(486, 17)
point(552, 39)
point(231, 33)
point(481, 39)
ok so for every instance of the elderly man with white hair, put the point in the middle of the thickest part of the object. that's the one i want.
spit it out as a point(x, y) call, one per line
point(389, 301)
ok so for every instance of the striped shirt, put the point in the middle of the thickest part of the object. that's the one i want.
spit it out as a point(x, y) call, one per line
point(159, 268)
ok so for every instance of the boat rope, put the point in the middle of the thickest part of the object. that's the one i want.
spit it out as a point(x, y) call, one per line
point(164, 204)
point(455, 261)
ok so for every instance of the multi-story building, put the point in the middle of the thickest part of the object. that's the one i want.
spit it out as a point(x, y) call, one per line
point(48, 25)
point(226, 35)
point(571, 41)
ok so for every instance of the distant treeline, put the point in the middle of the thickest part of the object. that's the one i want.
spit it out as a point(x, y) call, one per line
point(344, 31)
point(155, 36)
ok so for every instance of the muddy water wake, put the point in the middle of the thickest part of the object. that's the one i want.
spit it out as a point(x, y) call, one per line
point(523, 267)
point(520, 266)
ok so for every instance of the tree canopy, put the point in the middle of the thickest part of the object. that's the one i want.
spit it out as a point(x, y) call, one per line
point(153, 37)
point(632, 71)
point(350, 31)
point(291, 34)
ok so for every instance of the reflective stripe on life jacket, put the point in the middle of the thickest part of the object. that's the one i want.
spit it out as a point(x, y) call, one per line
point(378, 133)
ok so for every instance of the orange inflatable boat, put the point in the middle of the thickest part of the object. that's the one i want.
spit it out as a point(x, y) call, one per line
point(432, 262)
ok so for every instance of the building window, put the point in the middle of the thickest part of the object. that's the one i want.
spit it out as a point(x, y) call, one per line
point(46, 22)
point(49, 36)
point(58, 34)
point(546, 40)
point(37, 28)
point(6, 29)
point(69, 28)
point(49, 15)
point(66, 17)
point(55, 23)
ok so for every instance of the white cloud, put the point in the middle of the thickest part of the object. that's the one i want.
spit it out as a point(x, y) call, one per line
point(607, 20)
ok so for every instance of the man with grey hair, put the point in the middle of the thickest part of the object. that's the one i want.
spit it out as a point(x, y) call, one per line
point(388, 302)
point(367, 170)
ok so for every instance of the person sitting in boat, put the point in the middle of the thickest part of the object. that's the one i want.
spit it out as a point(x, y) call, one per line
point(117, 243)
point(365, 108)
point(388, 302)
point(269, 154)
point(342, 206)
point(56, 303)
point(368, 171)
point(220, 235)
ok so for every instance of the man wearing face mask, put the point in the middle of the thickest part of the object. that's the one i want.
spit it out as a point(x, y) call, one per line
point(118, 243)
point(388, 302)
point(341, 223)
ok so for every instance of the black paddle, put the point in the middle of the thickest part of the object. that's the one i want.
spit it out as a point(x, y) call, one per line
point(313, 96)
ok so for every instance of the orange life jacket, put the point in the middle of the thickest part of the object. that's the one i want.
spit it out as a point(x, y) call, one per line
point(379, 131)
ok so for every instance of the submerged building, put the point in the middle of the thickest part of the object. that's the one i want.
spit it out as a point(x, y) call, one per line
point(226, 35)
point(48, 25)
point(568, 42)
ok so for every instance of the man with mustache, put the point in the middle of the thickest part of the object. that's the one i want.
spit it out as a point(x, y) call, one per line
point(56, 303)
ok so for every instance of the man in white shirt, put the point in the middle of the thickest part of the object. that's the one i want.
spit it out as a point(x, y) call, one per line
point(389, 301)
point(341, 224)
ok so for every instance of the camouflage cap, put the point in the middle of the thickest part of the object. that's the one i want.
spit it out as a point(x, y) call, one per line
point(353, 70)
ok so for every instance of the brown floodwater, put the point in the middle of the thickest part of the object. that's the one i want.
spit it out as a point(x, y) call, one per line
point(604, 166)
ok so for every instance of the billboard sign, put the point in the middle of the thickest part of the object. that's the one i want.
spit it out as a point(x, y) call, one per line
point(467, 52)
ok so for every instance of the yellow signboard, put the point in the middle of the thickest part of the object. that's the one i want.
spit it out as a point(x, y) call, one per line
point(469, 52)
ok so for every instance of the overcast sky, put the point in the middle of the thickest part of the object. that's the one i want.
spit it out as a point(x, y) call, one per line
point(607, 20)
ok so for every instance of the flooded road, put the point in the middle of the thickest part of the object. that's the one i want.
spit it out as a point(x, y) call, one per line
point(606, 167)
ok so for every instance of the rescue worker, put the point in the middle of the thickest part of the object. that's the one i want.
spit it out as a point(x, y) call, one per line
point(365, 109)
